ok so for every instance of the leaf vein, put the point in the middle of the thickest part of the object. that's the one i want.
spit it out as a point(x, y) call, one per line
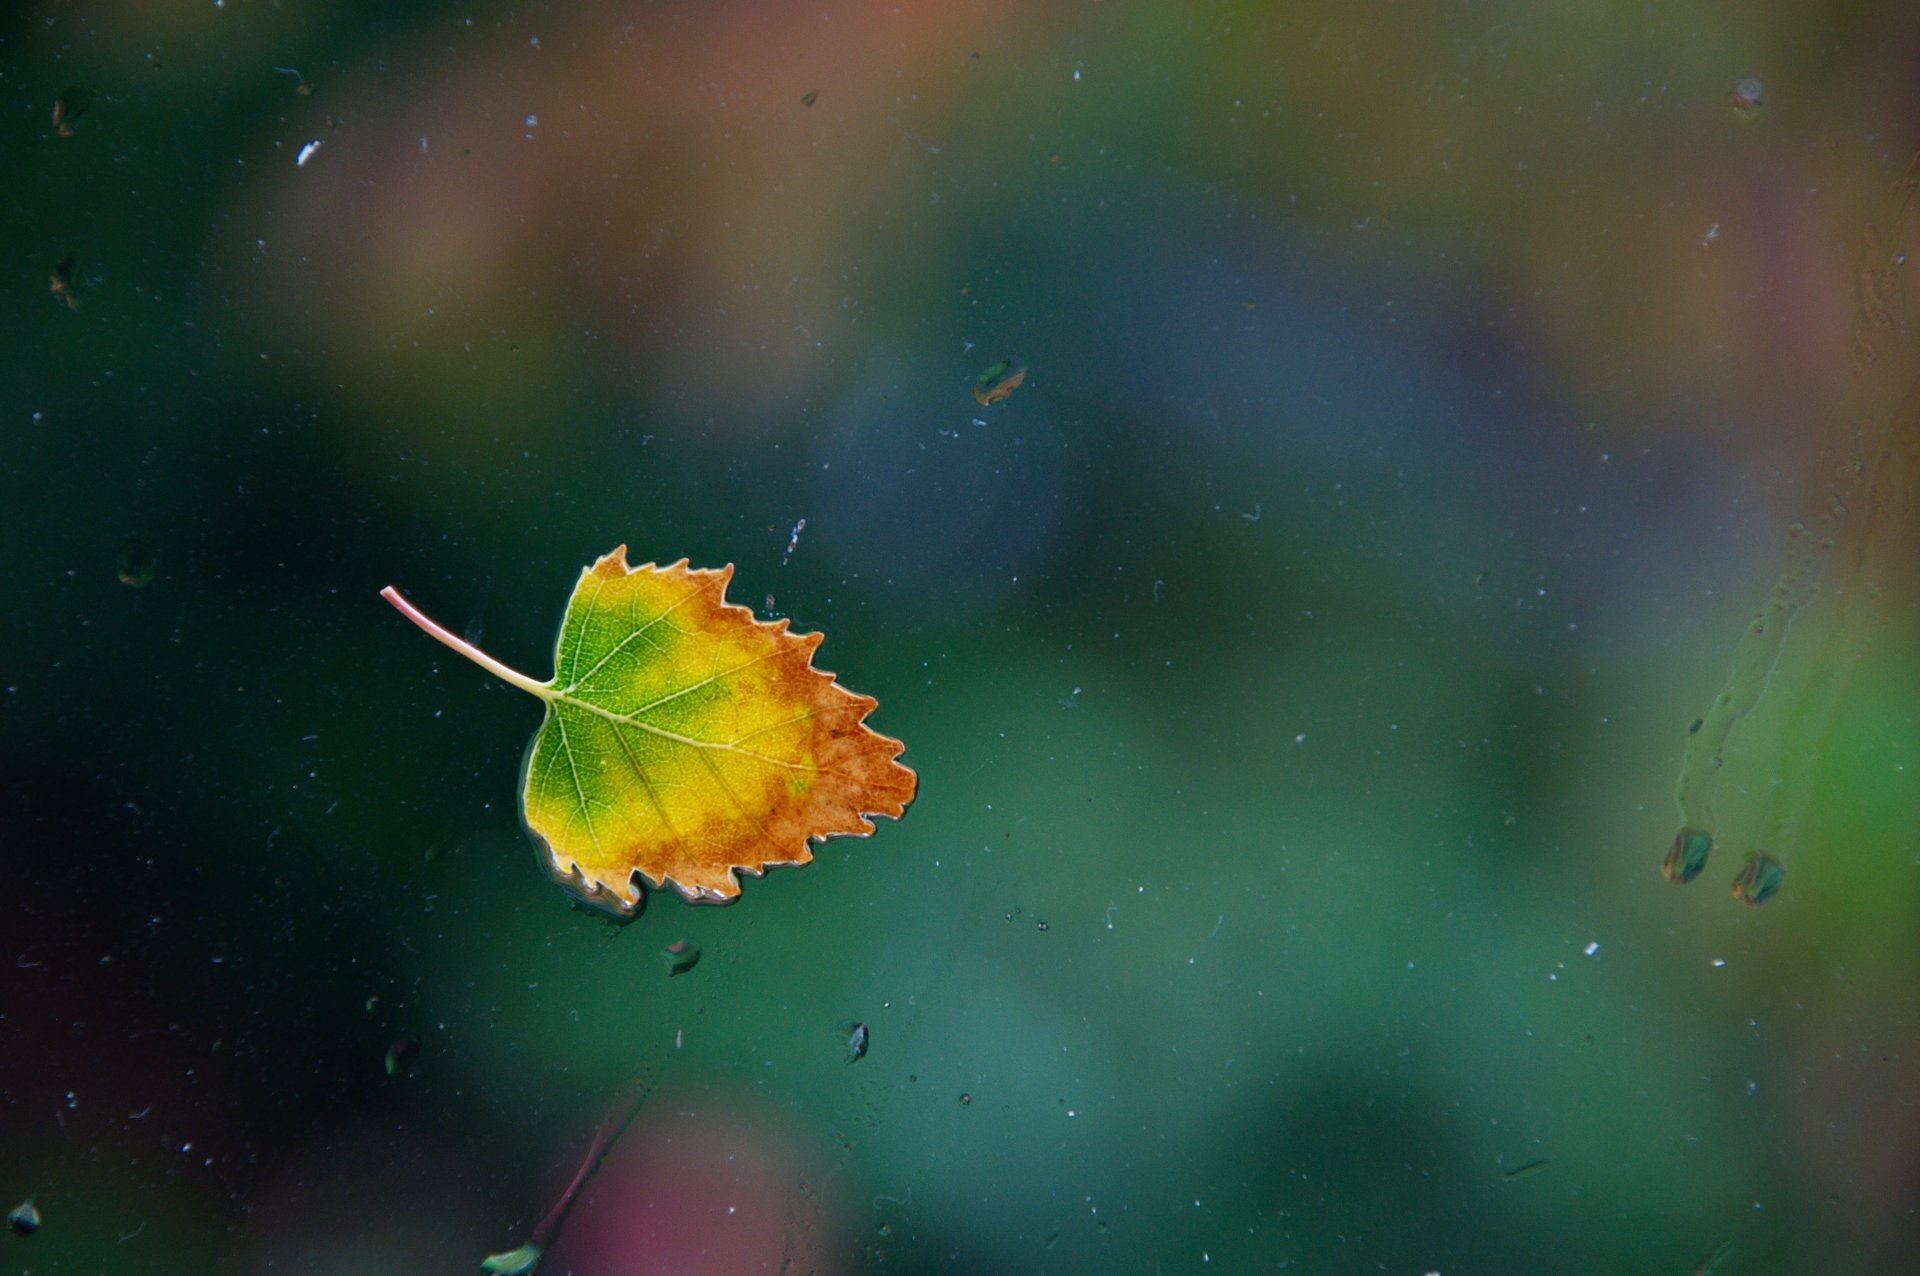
point(709, 680)
point(580, 793)
point(573, 683)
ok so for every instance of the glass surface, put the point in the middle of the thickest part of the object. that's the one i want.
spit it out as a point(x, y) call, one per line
point(1300, 657)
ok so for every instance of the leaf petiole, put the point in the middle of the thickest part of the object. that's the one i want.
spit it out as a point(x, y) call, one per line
point(512, 677)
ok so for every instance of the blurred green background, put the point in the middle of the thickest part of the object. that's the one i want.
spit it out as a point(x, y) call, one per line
point(1296, 666)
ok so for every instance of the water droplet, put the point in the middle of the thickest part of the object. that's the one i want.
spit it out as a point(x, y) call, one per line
point(24, 1218)
point(1759, 878)
point(680, 956)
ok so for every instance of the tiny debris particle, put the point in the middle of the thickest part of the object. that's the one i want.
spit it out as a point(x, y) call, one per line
point(70, 106)
point(24, 1218)
point(966, 1100)
point(857, 1043)
point(136, 566)
point(1748, 99)
point(998, 381)
point(809, 97)
point(306, 153)
point(60, 281)
point(1528, 1170)
point(1714, 1261)
point(400, 1055)
point(680, 957)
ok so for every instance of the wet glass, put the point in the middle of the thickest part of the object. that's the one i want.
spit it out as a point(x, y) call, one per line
point(1323, 493)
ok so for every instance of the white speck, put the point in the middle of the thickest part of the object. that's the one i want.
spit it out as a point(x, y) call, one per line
point(1593, 946)
point(532, 119)
point(306, 153)
point(1301, 738)
point(1076, 73)
point(1713, 233)
point(534, 40)
point(423, 143)
point(1718, 962)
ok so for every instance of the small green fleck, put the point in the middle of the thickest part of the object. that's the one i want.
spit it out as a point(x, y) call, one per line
point(514, 1262)
point(807, 98)
point(998, 381)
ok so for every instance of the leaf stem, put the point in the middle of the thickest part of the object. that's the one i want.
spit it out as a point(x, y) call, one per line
point(512, 677)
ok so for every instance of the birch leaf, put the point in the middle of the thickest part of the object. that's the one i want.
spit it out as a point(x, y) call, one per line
point(685, 742)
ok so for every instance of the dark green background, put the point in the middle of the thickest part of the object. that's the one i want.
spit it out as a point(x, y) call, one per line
point(1296, 666)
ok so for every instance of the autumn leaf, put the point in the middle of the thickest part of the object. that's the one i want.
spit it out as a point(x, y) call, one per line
point(686, 742)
